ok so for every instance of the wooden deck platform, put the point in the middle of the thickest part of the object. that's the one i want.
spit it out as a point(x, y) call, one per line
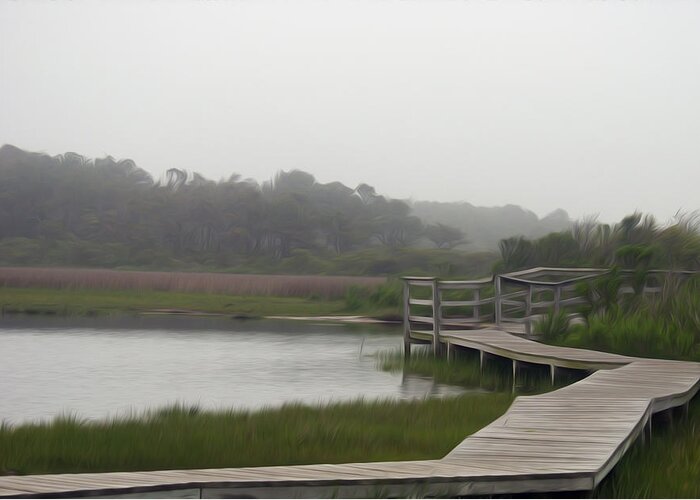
point(565, 440)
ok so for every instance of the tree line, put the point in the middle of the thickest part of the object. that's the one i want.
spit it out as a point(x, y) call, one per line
point(112, 206)
point(70, 210)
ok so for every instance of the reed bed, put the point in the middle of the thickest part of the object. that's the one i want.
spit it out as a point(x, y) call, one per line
point(86, 302)
point(465, 370)
point(326, 287)
point(182, 437)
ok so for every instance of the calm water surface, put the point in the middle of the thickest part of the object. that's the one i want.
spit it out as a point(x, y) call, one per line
point(101, 367)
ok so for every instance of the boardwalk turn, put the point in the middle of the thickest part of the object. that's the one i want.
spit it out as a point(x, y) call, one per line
point(564, 440)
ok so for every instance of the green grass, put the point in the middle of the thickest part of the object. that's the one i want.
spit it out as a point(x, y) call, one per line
point(464, 370)
point(665, 327)
point(667, 467)
point(641, 333)
point(95, 302)
point(177, 437)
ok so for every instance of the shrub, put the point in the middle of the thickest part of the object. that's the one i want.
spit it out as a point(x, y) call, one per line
point(386, 295)
point(552, 326)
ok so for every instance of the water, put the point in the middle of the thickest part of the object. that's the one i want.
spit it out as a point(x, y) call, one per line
point(105, 367)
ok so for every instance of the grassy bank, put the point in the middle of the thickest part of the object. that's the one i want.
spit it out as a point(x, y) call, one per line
point(63, 291)
point(94, 292)
point(94, 302)
point(187, 438)
point(326, 287)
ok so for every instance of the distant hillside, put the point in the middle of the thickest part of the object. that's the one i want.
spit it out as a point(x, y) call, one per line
point(486, 226)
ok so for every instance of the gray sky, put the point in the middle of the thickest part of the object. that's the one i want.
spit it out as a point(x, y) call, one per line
point(591, 106)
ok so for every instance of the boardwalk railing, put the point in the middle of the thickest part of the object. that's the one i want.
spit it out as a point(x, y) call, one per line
point(513, 301)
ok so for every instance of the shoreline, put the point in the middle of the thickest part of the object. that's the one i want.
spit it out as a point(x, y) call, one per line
point(346, 319)
point(80, 302)
point(355, 319)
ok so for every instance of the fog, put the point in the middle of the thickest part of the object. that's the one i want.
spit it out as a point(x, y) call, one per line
point(589, 106)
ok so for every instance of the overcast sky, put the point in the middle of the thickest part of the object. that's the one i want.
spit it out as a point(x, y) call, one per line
point(591, 106)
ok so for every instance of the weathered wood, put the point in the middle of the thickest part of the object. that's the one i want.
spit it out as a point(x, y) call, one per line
point(450, 352)
point(437, 316)
point(406, 319)
point(497, 301)
point(477, 309)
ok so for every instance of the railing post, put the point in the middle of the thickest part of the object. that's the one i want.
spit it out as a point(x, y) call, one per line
point(528, 310)
point(406, 321)
point(557, 299)
point(477, 309)
point(437, 316)
point(498, 306)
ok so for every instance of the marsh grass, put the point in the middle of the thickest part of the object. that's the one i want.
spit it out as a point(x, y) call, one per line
point(464, 370)
point(552, 326)
point(83, 302)
point(326, 287)
point(180, 437)
point(667, 326)
point(667, 467)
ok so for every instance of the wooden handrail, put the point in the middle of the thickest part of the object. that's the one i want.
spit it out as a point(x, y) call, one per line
point(504, 303)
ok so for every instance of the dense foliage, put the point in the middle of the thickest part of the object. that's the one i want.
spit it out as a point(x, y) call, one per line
point(618, 315)
point(636, 240)
point(70, 210)
point(665, 325)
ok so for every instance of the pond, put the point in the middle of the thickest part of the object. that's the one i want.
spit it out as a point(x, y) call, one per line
point(113, 366)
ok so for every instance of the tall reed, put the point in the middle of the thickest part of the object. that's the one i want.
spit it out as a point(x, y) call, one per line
point(184, 437)
point(667, 326)
point(233, 284)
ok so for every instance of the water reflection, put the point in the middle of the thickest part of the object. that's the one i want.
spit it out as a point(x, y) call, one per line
point(413, 386)
point(99, 367)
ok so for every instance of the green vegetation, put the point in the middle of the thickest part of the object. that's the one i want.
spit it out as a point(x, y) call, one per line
point(68, 210)
point(618, 315)
point(381, 301)
point(667, 326)
point(664, 325)
point(552, 326)
point(667, 467)
point(93, 302)
point(465, 370)
point(177, 438)
point(68, 291)
point(636, 242)
point(385, 297)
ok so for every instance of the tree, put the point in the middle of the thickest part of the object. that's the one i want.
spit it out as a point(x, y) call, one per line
point(444, 236)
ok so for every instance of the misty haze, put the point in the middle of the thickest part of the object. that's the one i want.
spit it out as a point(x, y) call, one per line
point(355, 249)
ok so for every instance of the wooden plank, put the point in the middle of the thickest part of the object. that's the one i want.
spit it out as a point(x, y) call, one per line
point(420, 302)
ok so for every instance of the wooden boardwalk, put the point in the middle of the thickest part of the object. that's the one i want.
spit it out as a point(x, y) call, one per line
point(564, 440)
